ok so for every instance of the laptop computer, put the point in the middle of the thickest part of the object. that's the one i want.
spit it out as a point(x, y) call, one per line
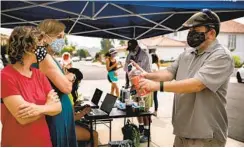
point(106, 106)
point(95, 100)
point(96, 96)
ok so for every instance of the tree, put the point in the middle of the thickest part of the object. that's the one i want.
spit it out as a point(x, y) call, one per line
point(106, 44)
point(69, 49)
point(237, 61)
point(83, 53)
point(122, 43)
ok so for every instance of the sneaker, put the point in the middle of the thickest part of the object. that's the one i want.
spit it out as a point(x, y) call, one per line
point(143, 139)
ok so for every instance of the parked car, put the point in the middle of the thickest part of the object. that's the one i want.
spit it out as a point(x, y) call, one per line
point(240, 74)
point(75, 59)
point(89, 59)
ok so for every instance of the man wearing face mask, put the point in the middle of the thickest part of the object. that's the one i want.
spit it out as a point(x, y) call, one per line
point(201, 80)
point(142, 58)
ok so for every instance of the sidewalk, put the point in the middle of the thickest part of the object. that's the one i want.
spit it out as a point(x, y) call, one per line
point(161, 126)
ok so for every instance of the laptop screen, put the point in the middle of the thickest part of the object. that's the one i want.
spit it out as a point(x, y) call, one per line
point(96, 97)
point(108, 103)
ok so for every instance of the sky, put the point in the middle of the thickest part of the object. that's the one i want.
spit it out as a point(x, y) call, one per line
point(88, 41)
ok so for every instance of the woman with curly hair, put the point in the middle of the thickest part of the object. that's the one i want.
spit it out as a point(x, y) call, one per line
point(62, 126)
point(27, 96)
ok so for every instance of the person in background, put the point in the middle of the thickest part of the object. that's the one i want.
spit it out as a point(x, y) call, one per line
point(155, 68)
point(62, 126)
point(98, 57)
point(201, 77)
point(66, 61)
point(112, 65)
point(26, 93)
point(79, 76)
point(142, 58)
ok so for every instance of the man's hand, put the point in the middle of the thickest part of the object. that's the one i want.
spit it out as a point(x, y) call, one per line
point(29, 110)
point(144, 74)
point(149, 85)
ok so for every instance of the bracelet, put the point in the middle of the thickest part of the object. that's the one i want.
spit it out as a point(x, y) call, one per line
point(161, 86)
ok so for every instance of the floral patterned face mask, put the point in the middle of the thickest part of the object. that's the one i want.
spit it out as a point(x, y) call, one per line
point(58, 45)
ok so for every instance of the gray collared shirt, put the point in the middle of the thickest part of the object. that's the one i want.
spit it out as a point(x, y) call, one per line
point(144, 60)
point(203, 114)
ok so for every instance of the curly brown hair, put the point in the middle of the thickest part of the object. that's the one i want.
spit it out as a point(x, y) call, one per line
point(23, 39)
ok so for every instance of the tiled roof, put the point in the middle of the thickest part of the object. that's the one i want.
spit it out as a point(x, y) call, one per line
point(231, 27)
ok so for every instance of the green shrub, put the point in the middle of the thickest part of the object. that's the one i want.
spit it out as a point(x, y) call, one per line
point(237, 61)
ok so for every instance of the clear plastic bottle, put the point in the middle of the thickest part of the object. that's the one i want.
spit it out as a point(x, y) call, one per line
point(121, 98)
point(135, 78)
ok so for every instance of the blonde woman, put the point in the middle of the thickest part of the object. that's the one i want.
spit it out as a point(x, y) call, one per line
point(27, 96)
point(62, 127)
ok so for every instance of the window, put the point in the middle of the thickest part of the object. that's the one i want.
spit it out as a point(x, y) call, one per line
point(232, 42)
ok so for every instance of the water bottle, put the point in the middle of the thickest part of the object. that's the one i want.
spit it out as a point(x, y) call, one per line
point(135, 78)
point(121, 98)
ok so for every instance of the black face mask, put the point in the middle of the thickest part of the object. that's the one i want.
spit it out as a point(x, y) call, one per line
point(194, 39)
point(131, 47)
point(41, 53)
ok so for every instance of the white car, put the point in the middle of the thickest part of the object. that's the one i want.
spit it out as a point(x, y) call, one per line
point(240, 74)
point(75, 59)
point(89, 59)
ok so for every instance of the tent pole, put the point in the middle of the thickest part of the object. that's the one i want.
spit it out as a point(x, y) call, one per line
point(31, 6)
point(78, 17)
point(104, 6)
point(125, 37)
point(60, 10)
point(154, 26)
point(141, 17)
point(160, 13)
point(20, 19)
point(83, 32)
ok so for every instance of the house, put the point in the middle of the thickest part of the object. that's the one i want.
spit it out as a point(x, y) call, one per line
point(167, 49)
point(231, 36)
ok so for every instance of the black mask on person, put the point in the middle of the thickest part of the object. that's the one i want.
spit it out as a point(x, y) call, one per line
point(194, 39)
point(41, 53)
point(131, 47)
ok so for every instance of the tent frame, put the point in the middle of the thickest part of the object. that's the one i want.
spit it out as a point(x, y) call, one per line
point(95, 16)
